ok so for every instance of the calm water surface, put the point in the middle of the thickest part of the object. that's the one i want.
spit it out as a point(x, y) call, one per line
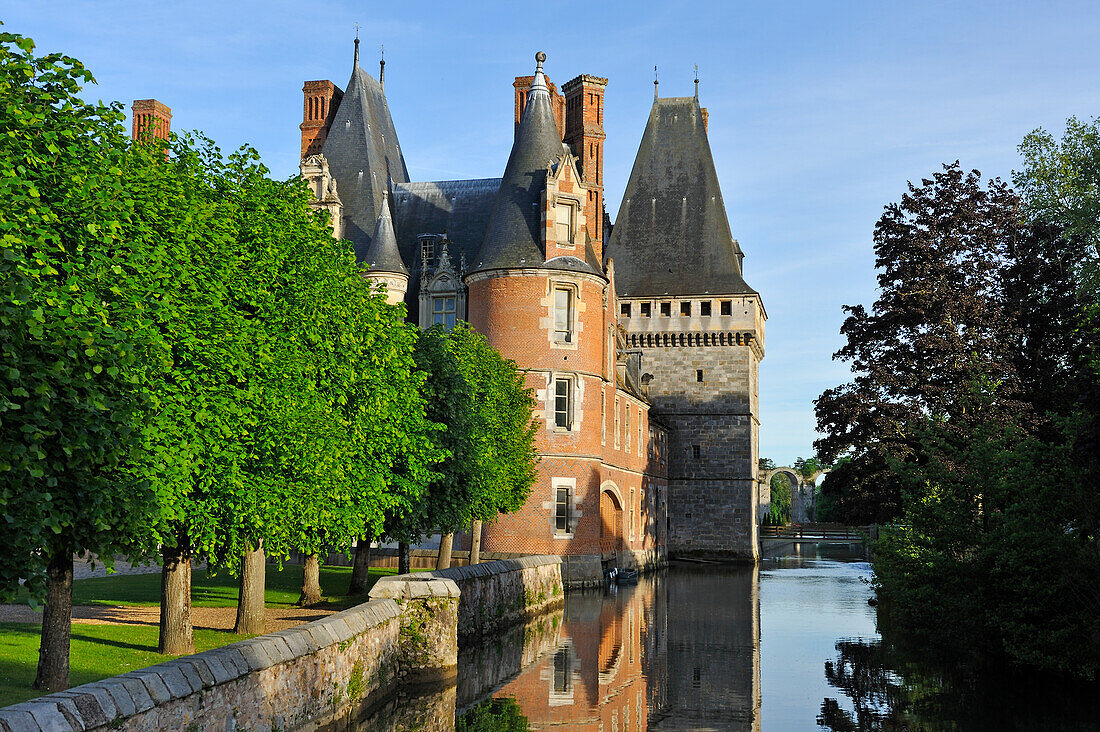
point(789, 645)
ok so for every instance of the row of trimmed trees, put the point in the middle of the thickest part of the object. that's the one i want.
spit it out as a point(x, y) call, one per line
point(973, 419)
point(191, 366)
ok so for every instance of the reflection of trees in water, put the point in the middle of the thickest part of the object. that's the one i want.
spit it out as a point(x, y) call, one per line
point(502, 714)
point(895, 689)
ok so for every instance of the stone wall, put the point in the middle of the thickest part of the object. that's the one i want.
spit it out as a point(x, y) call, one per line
point(317, 675)
point(712, 447)
point(494, 595)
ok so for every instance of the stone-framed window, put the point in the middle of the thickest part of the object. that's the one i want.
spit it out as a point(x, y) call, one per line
point(563, 403)
point(564, 313)
point(628, 428)
point(624, 309)
point(562, 501)
point(696, 452)
point(616, 423)
point(666, 309)
point(727, 307)
point(565, 223)
point(704, 308)
point(563, 507)
point(699, 375)
point(685, 309)
point(444, 311)
point(646, 310)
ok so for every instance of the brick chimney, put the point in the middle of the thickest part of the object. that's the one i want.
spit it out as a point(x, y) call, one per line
point(523, 85)
point(584, 134)
point(320, 100)
point(151, 117)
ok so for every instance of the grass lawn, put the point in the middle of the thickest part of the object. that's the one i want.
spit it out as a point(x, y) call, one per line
point(97, 651)
point(217, 590)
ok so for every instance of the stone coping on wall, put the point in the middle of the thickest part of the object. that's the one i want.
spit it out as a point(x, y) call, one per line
point(116, 700)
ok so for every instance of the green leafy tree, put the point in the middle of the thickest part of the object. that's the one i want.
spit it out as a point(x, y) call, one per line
point(481, 400)
point(75, 341)
point(963, 404)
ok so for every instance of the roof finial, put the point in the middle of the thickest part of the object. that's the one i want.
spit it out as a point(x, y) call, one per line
point(654, 83)
point(539, 82)
point(382, 67)
point(356, 62)
point(696, 82)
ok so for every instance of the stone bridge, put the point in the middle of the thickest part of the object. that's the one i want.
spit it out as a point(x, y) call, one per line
point(802, 493)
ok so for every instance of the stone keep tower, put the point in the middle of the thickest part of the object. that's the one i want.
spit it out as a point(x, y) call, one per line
point(699, 328)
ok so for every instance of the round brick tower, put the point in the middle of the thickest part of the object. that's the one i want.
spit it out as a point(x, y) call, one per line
point(540, 296)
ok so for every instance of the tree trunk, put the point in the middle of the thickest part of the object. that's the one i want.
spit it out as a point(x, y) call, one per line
point(177, 637)
point(443, 561)
point(250, 602)
point(311, 581)
point(475, 542)
point(404, 558)
point(53, 653)
point(360, 567)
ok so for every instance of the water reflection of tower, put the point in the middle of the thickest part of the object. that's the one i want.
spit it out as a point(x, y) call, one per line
point(605, 672)
point(713, 657)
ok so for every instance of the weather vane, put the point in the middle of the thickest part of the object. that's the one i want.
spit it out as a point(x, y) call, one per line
point(357, 31)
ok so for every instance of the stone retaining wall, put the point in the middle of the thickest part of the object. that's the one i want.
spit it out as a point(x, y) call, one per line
point(316, 675)
point(494, 595)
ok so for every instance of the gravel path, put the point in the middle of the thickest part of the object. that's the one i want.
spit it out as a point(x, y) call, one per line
point(214, 618)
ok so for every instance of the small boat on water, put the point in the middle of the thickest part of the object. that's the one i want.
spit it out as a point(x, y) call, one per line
point(626, 577)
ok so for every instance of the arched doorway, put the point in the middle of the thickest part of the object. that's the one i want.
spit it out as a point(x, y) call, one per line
point(611, 522)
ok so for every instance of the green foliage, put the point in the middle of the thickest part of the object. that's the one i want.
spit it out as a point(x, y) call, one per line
point(972, 420)
point(780, 509)
point(77, 341)
point(481, 400)
point(502, 714)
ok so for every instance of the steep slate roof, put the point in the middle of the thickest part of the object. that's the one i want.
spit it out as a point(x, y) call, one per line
point(461, 208)
point(672, 236)
point(382, 254)
point(363, 155)
point(514, 236)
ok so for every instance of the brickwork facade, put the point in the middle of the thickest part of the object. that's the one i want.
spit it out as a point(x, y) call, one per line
point(320, 100)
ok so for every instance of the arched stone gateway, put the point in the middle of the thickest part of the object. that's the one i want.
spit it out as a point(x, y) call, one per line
point(611, 521)
point(802, 493)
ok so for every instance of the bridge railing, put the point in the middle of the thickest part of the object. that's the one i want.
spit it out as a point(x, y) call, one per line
point(815, 533)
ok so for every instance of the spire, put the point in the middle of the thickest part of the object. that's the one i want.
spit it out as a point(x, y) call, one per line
point(655, 83)
point(672, 236)
point(382, 255)
point(696, 82)
point(514, 237)
point(539, 82)
point(382, 69)
point(355, 63)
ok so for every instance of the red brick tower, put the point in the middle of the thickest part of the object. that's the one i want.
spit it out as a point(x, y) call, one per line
point(584, 133)
point(151, 117)
point(543, 299)
point(321, 99)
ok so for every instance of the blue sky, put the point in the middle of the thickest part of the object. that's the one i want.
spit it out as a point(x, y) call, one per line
point(819, 112)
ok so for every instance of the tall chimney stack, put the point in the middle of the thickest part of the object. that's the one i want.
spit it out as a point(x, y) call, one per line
point(151, 118)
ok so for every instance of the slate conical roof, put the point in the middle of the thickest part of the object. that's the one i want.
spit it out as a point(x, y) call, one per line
point(363, 155)
point(672, 236)
point(514, 235)
point(382, 254)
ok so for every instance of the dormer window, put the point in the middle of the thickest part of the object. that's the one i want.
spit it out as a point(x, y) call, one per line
point(565, 214)
point(443, 311)
point(427, 248)
point(563, 314)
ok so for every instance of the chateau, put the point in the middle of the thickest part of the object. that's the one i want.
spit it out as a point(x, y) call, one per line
point(640, 339)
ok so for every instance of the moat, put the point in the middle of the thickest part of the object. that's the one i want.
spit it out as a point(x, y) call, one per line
point(789, 645)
